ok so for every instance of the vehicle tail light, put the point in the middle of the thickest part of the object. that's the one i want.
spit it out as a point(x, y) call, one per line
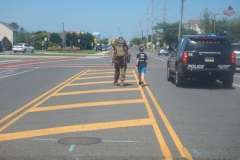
point(233, 58)
point(184, 57)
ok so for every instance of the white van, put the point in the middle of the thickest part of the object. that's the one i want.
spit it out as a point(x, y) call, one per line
point(236, 49)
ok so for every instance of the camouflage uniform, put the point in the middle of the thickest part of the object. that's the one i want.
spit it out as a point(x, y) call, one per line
point(120, 65)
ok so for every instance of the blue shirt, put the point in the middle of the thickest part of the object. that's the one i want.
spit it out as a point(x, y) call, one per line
point(142, 59)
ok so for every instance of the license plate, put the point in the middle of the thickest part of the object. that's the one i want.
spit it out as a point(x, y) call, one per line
point(209, 59)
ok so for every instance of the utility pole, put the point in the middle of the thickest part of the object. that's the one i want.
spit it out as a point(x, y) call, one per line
point(147, 25)
point(64, 40)
point(164, 11)
point(152, 27)
point(215, 22)
point(180, 23)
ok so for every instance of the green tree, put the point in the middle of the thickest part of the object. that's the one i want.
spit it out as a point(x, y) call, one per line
point(71, 39)
point(24, 36)
point(170, 32)
point(14, 25)
point(205, 23)
point(136, 41)
point(85, 41)
point(55, 38)
point(104, 41)
point(38, 39)
point(7, 44)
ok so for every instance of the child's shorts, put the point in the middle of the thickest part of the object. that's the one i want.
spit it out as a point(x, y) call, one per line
point(141, 69)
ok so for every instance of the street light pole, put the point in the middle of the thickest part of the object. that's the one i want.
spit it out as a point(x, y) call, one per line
point(64, 47)
point(215, 22)
point(180, 23)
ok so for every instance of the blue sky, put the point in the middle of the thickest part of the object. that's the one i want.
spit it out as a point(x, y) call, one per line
point(105, 16)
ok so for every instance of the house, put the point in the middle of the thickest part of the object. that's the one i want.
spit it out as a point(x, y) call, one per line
point(194, 25)
point(8, 31)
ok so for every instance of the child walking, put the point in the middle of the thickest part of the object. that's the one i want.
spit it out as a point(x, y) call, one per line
point(141, 65)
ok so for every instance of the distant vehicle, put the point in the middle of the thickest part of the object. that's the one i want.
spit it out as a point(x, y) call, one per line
point(202, 57)
point(98, 47)
point(23, 47)
point(163, 51)
point(104, 48)
point(1, 47)
point(236, 49)
point(109, 47)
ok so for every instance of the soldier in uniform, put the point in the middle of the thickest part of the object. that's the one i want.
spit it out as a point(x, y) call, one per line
point(120, 62)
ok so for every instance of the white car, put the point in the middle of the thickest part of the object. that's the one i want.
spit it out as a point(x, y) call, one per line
point(23, 47)
point(236, 49)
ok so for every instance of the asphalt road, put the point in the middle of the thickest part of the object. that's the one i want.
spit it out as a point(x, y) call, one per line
point(68, 108)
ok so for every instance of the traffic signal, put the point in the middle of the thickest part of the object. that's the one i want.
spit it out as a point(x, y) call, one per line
point(112, 41)
point(95, 40)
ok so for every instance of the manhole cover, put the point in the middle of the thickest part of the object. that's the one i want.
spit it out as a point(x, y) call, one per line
point(79, 140)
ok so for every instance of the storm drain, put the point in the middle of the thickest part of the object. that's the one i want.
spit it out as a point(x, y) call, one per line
point(79, 140)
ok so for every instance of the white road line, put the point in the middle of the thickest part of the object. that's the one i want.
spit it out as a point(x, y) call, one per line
point(52, 60)
point(19, 73)
point(10, 61)
point(237, 76)
point(7, 70)
point(236, 85)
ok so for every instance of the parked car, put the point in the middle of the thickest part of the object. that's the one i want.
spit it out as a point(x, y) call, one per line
point(23, 47)
point(98, 47)
point(1, 47)
point(104, 48)
point(236, 49)
point(163, 51)
point(202, 57)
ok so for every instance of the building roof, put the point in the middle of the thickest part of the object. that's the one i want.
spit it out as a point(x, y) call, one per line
point(8, 26)
point(192, 22)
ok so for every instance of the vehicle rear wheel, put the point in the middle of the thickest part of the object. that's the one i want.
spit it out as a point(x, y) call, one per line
point(227, 83)
point(168, 74)
point(178, 80)
point(32, 51)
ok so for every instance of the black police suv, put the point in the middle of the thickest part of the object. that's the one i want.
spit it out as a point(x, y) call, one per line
point(204, 57)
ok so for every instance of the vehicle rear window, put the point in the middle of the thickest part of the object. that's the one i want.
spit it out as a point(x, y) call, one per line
point(210, 45)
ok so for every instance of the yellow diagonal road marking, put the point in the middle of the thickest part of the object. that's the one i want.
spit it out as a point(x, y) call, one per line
point(99, 82)
point(163, 146)
point(90, 104)
point(58, 88)
point(96, 91)
point(35, 100)
point(183, 151)
point(74, 128)
point(96, 73)
point(101, 70)
point(99, 77)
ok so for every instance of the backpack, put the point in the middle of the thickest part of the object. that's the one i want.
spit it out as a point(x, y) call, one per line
point(120, 47)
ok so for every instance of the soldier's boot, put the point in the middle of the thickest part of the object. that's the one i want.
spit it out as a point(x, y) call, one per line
point(115, 83)
point(122, 83)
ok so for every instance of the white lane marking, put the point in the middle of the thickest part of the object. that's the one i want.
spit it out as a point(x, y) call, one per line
point(7, 70)
point(237, 76)
point(10, 61)
point(19, 73)
point(236, 85)
point(52, 60)
point(158, 58)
